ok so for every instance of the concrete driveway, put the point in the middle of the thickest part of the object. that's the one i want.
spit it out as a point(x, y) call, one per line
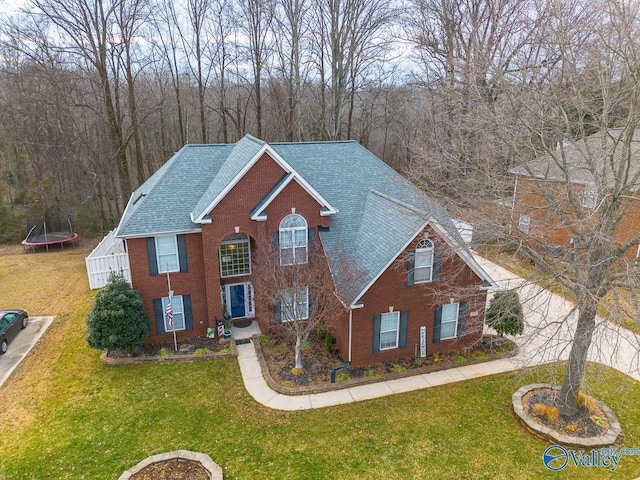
point(20, 346)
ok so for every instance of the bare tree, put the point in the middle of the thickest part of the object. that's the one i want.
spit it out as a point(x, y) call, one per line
point(579, 125)
point(301, 295)
point(351, 35)
point(257, 18)
point(84, 30)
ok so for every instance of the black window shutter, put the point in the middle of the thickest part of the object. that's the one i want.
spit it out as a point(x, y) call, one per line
point(437, 321)
point(437, 266)
point(151, 256)
point(277, 314)
point(275, 241)
point(462, 319)
point(182, 253)
point(404, 326)
point(377, 324)
point(411, 265)
point(158, 312)
point(312, 242)
point(188, 317)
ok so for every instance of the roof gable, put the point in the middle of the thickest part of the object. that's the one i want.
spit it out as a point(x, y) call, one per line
point(245, 154)
point(363, 195)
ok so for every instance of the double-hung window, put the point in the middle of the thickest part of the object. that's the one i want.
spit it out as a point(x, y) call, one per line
point(449, 322)
point(423, 269)
point(167, 254)
point(295, 304)
point(389, 329)
point(293, 240)
point(177, 308)
point(235, 255)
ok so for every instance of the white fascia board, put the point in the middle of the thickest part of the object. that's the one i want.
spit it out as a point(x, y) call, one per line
point(231, 184)
point(302, 182)
point(393, 259)
point(465, 255)
point(124, 215)
point(261, 216)
point(163, 234)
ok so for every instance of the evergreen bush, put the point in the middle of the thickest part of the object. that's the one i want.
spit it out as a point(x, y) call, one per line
point(117, 320)
point(505, 313)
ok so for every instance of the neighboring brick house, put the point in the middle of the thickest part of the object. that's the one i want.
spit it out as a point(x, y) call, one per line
point(205, 213)
point(552, 191)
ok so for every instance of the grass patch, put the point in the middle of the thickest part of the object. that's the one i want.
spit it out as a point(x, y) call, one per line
point(67, 416)
point(201, 352)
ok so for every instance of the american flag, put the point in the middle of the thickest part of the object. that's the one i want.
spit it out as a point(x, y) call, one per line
point(170, 313)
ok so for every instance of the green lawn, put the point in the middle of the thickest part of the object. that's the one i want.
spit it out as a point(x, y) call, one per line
point(65, 415)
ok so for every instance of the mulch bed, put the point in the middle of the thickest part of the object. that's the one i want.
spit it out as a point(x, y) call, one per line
point(174, 469)
point(279, 356)
point(579, 425)
point(185, 347)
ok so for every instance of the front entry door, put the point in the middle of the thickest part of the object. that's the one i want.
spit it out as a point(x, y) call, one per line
point(240, 300)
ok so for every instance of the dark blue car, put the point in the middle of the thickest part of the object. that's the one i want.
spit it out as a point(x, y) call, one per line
point(11, 322)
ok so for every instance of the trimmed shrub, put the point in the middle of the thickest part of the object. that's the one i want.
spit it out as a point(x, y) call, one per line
point(505, 313)
point(550, 413)
point(328, 342)
point(117, 320)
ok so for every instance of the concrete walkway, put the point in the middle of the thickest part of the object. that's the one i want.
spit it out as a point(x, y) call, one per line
point(547, 339)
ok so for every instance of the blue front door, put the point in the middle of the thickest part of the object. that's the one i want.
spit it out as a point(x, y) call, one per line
point(236, 300)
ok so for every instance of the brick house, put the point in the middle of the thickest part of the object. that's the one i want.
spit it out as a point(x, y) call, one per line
point(558, 192)
point(203, 216)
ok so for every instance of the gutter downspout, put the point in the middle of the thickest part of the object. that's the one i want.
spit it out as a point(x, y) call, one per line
point(350, 331)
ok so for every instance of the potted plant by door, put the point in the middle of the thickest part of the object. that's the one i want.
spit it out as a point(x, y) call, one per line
point(227, 325)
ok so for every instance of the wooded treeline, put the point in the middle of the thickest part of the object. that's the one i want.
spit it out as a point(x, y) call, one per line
point(95, 95)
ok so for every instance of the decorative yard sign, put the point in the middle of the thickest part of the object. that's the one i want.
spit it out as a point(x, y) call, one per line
point(423, 341)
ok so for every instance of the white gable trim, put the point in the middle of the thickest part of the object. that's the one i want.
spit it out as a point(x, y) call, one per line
point(124, 214)
point(266, 148)
point(393, 259)
point(261, 216)
point(464, 255)
point(449, 240)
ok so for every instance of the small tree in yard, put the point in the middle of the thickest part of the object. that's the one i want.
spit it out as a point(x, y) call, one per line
point(505, 314)
point(117, 320)
point(301, 295)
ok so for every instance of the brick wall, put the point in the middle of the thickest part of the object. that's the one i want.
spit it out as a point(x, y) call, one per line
point(546, 225)
point(458, 283)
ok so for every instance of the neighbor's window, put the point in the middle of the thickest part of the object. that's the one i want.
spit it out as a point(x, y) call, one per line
point(295, 304)
point(293, 240)
point(423, 269)
point(389, 328)
point(178, 313)
point(167, 254)
point(449, 323)
point(235, 255)
point(523, 223)
point(589, 196)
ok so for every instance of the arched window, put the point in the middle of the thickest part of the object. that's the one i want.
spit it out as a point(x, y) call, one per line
point(293, 240)
point(423, 270)
point(235, 255)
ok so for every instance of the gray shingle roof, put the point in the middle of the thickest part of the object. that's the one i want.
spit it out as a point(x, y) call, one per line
point(379, 211)
point(583, 161)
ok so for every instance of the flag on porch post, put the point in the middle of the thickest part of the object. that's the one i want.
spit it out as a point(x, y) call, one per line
point(170, 313)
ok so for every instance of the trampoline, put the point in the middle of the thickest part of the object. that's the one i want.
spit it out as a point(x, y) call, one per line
point(48, 234)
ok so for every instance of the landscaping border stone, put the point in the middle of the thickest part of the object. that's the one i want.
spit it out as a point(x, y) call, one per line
point(205, 460)
point(110, 361)
point(329, 387)
point(546, 433)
